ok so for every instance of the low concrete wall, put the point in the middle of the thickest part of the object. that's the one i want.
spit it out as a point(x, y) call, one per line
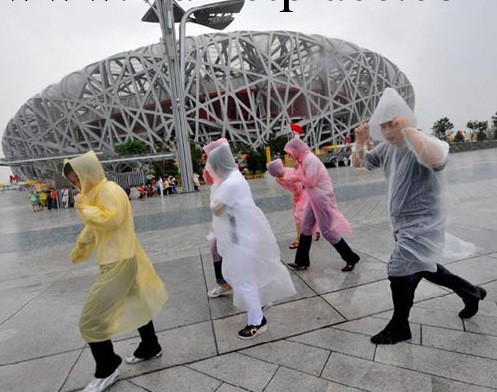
point(470, 146)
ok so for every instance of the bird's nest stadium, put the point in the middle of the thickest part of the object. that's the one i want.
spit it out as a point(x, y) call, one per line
point(246, 86)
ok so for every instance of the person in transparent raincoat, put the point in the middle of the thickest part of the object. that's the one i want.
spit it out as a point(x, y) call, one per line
point(288, 180)
point(251, 257)
point(223, 288)
point(127, 293)
point(322, 208)
point(413, 164)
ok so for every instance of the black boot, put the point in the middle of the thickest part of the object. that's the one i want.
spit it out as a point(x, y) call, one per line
point(106, 360)
point(302, 256)
point(149, 346)
point(347, 255)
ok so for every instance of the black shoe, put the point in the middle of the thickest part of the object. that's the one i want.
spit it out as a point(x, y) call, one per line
point(388, 337)
point(251, 330)
point(350, 265)
point(471, 305)
point(297, 267)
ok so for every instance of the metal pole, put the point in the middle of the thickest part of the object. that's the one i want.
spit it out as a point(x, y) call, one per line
point(181, 128)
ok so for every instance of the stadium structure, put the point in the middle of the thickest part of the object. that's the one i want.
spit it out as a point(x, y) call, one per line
point(246, 86)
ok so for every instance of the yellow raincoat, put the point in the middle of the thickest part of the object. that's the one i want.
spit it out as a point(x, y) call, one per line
point(127, 293)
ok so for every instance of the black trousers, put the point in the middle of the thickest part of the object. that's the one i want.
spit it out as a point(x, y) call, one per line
point(107, 361)
point(403, 288)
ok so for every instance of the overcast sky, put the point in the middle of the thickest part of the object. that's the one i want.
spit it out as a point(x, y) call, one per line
point(447, 48)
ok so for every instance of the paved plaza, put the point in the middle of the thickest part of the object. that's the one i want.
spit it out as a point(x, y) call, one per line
point(316, 341)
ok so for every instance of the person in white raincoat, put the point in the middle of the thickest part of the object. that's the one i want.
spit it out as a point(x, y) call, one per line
point(127, 293)
point(251, 257)
point(413, 164)
point(322, 208)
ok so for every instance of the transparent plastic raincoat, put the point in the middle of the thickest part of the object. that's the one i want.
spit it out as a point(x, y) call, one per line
point(251, 257)
point(417, 190)
point(322, 200)
point(127, 293)
point(289, 181)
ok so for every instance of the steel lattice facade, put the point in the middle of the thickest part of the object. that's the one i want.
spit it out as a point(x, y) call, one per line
point(245, 86)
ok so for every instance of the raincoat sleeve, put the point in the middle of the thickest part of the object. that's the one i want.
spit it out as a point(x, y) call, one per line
point(108, 214)
point(430, 152)
point(84, 245)
point(225, 194)
point(372, 159)
point(310, 169)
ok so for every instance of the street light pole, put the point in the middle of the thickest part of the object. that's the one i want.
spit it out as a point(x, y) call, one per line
point(214, 15)
point(166, 20)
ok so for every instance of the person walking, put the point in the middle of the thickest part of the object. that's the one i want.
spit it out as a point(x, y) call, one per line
point(413, 164)
point(127, 293)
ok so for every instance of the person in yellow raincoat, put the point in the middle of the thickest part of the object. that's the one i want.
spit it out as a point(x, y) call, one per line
point(127, 294)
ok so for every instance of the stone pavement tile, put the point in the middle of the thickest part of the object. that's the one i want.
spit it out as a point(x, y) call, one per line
point(453, 303)
point(286, 380)
point(374, 376)
point(179, 346)
point(375, 240)
point(293, 355)
point(446, 364)
point(284, 320)
point(336, 340)
point(41, 375)
point(491, 288)
point(483, 238)
point(325, 275)
point(461, 342)
point(238, 370)
point(370, 326)
point(229, 388)
point(477, 270)
point(47, 325)
point(177, 379)
point(433, 317)
point(126, 386)
point(223, 306)
point(185, 285)
point(372, 298)
point(482, 324)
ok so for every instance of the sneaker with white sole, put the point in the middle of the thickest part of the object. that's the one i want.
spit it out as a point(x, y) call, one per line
point(101, 384)
point(219, 292)
point(251, 330)
point(132, 359)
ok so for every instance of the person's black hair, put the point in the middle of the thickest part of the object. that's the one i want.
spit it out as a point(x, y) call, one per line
point(68, 169)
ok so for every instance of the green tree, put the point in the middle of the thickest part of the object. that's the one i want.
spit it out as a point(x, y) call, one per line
point(481, 127)
point(161, 168)
point(131, 147)
point(277, 145)
point(196, 157)
point(256, 160)
point(494, 126)
point(441, 127)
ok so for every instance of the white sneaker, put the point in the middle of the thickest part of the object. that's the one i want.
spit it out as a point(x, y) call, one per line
point(132, 359)
point(101, 384)
point(218, 292)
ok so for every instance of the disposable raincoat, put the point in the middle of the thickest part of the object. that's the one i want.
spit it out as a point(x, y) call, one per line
point(417, 191)
point(323, 205)
point(251, 257)
point(127, 293)
point(289, 181)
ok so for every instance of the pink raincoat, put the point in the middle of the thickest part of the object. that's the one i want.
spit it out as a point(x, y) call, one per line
point(323, 206)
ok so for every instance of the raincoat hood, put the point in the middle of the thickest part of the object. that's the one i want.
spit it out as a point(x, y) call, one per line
point(391, 104)
point(276, 168)
point(212, 145)
point(88, 169)
point(297, 149)
point(220, 162)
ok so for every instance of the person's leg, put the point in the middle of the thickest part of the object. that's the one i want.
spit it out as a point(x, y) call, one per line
point(347, 254)
point(470, 294)
point(397, 329)
point(149, 347)
point(106, 360)
point(223, 287)
point(256, 322)
point(302, 260)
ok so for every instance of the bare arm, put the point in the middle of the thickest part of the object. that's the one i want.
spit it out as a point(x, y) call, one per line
point(361, 136)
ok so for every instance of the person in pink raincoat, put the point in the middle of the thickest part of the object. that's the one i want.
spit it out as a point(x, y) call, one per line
point(223, 288)
point(289, 181)
point(322, 208)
